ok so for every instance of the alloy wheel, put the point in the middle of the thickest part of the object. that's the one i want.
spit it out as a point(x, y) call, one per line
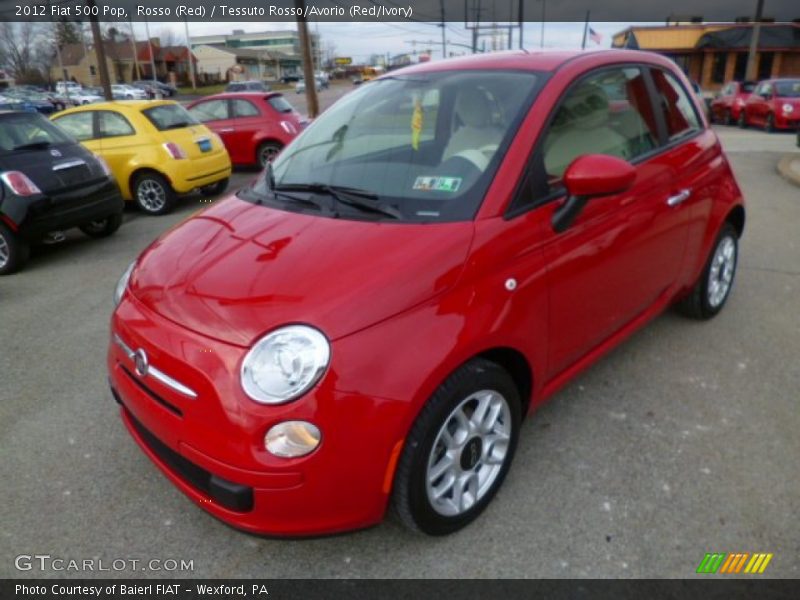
point(151, 195)
point(720, 275)
point(5, 252)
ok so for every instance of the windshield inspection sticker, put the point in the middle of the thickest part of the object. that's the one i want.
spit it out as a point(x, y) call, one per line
point(437, 184)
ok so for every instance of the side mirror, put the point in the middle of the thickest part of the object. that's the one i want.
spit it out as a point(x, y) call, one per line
point(591, 176)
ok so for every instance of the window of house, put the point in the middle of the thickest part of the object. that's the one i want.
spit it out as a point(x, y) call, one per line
point(718, 67)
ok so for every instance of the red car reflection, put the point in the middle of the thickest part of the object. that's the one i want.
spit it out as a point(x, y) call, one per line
point(254, 126)
point(773, 105)
point(367, 324)
point(727, 105)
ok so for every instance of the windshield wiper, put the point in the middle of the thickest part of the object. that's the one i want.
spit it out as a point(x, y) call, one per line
point(34, 145)
point(361, 199)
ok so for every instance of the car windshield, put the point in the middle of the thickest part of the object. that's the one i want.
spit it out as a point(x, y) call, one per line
point(788, 89)
point(28, 131)
point(169, 116)
point(425, 145)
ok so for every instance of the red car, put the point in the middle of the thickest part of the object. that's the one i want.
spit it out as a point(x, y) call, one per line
point(438, 253)
point(727, 105)
point(773, 105)
point(254, 126)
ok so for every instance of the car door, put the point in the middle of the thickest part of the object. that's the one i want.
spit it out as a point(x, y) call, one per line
point(249, 127)
point(758, 104)
point(622, 254)
point(119, 144)
point(215, 114)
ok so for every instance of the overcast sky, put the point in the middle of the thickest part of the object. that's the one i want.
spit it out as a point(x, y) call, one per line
point(361, 40)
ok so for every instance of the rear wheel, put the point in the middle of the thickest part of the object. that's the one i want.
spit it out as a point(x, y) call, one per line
point(103, 227)
point(711, 291)
point(153, 194)
point(14, 251)
point(267, 152)
point(459, 450)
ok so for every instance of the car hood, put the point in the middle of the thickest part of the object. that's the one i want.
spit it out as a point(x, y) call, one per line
point(238, 270)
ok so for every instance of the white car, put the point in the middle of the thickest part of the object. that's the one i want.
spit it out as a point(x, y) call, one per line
point(82, 97)
point(64, 87)
point(128, 92)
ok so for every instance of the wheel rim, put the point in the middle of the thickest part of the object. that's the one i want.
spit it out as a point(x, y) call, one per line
point(268, 154)
point(720, 276)
point(151, 195)
point(468, 453)
point(5, 252)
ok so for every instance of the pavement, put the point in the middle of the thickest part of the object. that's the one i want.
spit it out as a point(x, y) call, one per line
point(682, 441)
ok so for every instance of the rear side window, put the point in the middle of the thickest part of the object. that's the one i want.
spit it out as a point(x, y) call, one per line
point(213, 110)
point(608, 112)
point(244, 108)
point(114, 125)
point(169, 116)
point(78, 125)
point(676, 106)
point(280, 104)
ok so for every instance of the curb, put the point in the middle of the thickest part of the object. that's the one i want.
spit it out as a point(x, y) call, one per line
point(789, 168)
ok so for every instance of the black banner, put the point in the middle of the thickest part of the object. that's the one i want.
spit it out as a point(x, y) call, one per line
point(470, 12)
point(708, 589)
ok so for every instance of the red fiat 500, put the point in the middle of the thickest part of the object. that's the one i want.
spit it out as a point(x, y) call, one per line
point(727, 106)
point(774, 104)
point(254, 126)
point(368, 323)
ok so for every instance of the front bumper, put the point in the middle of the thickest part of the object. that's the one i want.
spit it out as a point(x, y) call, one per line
point(211, 446)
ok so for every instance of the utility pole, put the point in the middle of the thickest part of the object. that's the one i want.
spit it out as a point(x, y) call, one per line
point(541, 39)
point(135, 52)
point(308, 64)
point(521, 21)
point(751, 72)
point(189, 55)
point(149, 49)
point(585, 30)
point(100, 51)
point(444, 41)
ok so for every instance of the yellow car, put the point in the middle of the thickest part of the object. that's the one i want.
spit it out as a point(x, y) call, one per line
point(155, 149)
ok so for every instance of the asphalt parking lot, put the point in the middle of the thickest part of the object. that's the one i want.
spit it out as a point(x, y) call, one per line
point(683, 441)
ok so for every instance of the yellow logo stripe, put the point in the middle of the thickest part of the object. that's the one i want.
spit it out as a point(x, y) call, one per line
point(765, 563)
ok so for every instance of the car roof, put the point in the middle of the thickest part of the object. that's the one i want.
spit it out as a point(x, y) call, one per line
point(133, 105)
point(242, 94)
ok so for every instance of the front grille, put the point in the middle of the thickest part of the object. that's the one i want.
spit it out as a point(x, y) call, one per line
point(235, 497)
point(158, 399)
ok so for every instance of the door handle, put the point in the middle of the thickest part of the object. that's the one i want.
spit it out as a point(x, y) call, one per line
point(226, 130)
point(679, 198)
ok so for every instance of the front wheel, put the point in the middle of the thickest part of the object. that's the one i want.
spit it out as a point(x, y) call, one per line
point(153, 194)
point(459, 450)
point(103, 227)
point(14, 251)
point(711, 291)
point(267, 152)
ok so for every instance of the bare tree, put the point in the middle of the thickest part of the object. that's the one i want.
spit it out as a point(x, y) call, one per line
point(17, 48)
point(168, 37)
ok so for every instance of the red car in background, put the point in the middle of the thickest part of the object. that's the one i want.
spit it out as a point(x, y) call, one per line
point(774, 104)
point(254, 126)
point(728, 104)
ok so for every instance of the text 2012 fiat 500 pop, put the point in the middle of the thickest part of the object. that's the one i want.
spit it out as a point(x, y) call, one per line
point(366, 325)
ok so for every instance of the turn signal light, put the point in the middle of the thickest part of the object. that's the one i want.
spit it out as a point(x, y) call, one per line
point(19, 183)
point(174, 150)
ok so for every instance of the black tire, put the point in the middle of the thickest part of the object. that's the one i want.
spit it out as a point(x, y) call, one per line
point(267, 152)
point(727, 118)
point(697, 304)
point(742, 122)
point(153, 194)
point(769, 123)
point(216, 189)
point(14, 252)
point(103, 227)
point(410, 499)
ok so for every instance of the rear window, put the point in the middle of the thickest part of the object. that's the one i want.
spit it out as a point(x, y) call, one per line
point(26, 130)
point(169, 116)
point(280, 104)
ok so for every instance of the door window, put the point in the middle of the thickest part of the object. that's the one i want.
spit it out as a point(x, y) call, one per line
point(114, 125)
point(244, 108)
point(213, 110)
point(608, 112)
point(676, 106)
point(78, 125)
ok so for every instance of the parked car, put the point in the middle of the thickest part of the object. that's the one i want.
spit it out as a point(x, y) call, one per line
point(151, 86)
point(727, 105)
point(67, 87)
point(155, 149)
point(367, 324)
point(247, 86)
point(49, 182)
point(290, 78)
point(253, 126)
point(300, 86)
point(774, 104)
point(83, 97)
point(38, 101)
point(15, 104)
point(128, 92)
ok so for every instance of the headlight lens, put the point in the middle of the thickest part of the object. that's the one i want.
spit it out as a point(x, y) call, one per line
point(122, 284)
point(787, 108)
point(284, 364)
point(292, 438)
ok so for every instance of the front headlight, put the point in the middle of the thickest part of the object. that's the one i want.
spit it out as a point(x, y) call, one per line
point(285, 364)
point(122, 284)
point(787, 108)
